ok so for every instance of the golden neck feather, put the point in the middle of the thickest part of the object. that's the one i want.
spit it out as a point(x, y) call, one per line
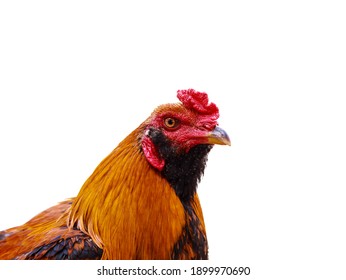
point(126, 206)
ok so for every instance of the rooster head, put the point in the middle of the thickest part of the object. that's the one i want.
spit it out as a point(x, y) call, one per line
point(175, 129)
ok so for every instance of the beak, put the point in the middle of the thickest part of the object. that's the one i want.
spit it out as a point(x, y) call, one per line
point(218, 136)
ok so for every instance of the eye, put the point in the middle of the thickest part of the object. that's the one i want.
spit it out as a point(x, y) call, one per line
point(171, 123)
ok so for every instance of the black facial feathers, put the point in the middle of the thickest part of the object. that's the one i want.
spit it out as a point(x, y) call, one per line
point(183, 170)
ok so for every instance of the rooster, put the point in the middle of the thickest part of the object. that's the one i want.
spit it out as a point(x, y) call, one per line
point(141, 200)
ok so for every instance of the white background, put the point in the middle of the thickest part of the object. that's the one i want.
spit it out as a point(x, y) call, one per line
point(77, 76)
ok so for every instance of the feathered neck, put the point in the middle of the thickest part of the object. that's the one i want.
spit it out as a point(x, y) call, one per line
point(109, 206)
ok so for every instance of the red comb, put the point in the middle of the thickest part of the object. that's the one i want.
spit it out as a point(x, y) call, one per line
point(199, 102)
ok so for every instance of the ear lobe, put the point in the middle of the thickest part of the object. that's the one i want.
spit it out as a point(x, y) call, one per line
point(152, 154)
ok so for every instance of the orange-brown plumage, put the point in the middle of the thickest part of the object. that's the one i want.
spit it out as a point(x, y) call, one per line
point(138, 203)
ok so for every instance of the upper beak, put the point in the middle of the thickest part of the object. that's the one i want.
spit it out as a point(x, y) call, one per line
point(218, 136)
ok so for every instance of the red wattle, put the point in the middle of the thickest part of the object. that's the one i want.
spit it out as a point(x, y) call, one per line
point(151, 154)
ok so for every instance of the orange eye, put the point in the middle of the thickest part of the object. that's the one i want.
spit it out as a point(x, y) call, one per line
point(171, 123)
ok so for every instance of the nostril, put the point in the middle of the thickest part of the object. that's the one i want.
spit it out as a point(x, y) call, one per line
point(208, 126)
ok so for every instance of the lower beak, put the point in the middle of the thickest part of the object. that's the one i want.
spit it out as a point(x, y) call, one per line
point(218, 136)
